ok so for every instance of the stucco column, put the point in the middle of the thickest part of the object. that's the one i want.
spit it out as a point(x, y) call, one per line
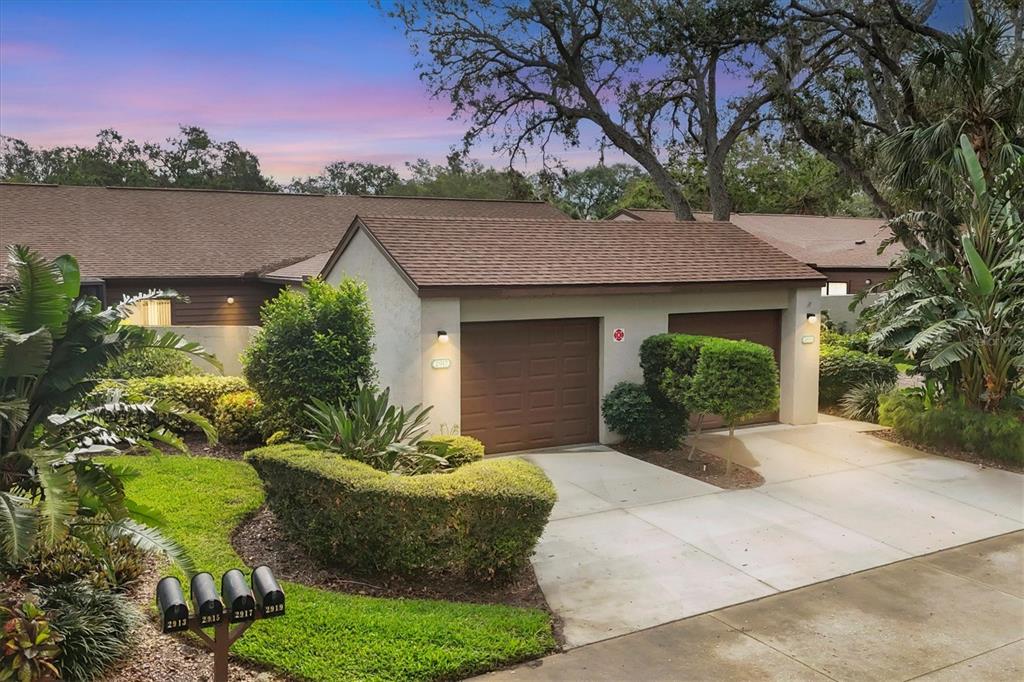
point(798, 364)
point(442, 385)
point(620, 359)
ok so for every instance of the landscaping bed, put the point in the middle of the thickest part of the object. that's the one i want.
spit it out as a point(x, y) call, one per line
point(704, 466)
point(951, 452)
point(327, 634)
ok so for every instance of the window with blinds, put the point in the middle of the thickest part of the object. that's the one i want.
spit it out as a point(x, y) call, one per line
point(151, 314)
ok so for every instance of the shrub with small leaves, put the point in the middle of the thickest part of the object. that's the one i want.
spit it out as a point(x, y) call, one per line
point(458, 450)
point(197, 393)
point(149, 362)
point(238, 417)
point(630, 411)
point(96, 625)
point(840, 369)
point(29, 645)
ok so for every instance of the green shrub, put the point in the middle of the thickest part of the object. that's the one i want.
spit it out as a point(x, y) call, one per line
point(238, 417)
point(198, 393)
point(96, 625)
point(841, 369)
point(999, 435)
point(735, 380)
point(861, 402)
point(117, 565)
point(149, 362)
point(850, 341)
point(458, 450)
point(479, 522)
point(630, 411)
point(668, 356)
point(313, 344)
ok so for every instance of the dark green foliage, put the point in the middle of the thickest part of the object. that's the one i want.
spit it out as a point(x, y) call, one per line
point(96, 625)
point(663, 354)
point(734, 379)
point(238, 417)
point(629, 411)
point(479, 522)
point(861, 401)
point(313, 344)
point(860, 340)
point(953, 425)
point(109, 564)
point(457, 450)
point(841, 369)
point(149, 362)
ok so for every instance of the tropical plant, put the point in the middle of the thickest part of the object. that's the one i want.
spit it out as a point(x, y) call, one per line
point(959, 312)
point(371, 430)
point(28, 644)
point(861, 402)
point(53, 341)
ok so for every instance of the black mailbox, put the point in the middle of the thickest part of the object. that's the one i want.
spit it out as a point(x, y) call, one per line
point(171, 602)
point(209, 607)
point(237, 596)
point(269, 595)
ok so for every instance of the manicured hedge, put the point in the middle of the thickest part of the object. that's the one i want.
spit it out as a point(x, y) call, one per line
point(237, 417)
point(629, 411)
point(479, 522)
point(993, 434)
point(841, 369)
point(198, 393)
point(734, 379)
point(458, 450)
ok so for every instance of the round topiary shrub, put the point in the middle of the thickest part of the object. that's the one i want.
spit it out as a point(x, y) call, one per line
point(458, 450)
point(629, 410)
point(96, 625)
point(841, 369)
point(238, 417)
point(313, 343)
point(479, 522)
point(735, 380)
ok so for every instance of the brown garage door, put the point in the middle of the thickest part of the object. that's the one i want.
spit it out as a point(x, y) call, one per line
point(759, 326)
point(530, 384)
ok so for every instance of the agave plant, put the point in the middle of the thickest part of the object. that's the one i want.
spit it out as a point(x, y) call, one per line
point(960, 314)
point(371, 430)
point(53, 341)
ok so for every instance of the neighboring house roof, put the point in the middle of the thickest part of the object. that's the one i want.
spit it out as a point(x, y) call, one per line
point(469, 252)
point(821, 241)
point(166, 233)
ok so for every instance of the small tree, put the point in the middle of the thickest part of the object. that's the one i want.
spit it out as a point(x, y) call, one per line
point(317, 343)
point(735, 380)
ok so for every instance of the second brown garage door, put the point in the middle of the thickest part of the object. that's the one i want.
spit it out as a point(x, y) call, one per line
point(530, 383)
point(759, 326)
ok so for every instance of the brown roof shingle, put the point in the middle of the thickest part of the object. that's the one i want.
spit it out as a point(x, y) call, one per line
point(822, 241)
point(128, 232)
point(459, 252)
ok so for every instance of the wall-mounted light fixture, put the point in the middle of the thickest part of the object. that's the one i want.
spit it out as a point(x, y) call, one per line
point(231, 299)
point(442, 336)
point(812, 318)
point(867, 281)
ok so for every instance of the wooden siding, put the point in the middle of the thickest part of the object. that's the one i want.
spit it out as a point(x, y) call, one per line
point(208, 303)
point(855, 279)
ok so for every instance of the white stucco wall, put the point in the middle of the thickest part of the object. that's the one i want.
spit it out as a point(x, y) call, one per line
point(639, 316)
point(839, 312)
point(225, 341)
point(396, 316)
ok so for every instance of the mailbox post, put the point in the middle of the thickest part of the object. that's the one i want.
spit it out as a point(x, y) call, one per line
point(229, 616)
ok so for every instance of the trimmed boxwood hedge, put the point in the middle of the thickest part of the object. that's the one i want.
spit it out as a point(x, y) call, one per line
point(458, 450)
point(479, 522)
point(841, 369)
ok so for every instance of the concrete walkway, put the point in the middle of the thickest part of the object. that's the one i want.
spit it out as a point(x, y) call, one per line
point(631, 545)
point(954, 615)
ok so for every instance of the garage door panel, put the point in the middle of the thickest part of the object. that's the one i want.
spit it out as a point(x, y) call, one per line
point(552, 396)
point(759, 326)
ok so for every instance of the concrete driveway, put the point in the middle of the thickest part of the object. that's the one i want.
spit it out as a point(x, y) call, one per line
point(631, 545)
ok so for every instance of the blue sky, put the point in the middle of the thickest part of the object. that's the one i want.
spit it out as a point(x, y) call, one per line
point(299, 83)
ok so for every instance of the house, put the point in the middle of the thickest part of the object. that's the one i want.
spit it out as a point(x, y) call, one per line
point(843, 249)
point(226, 251)
point(514, 329)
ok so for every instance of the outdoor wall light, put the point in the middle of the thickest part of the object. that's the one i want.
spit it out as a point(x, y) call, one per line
point(812, 318)
point(867, 281)
point(442, 336)
point(231, 299)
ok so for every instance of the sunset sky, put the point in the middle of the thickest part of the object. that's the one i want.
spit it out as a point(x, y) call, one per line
point(298, 83)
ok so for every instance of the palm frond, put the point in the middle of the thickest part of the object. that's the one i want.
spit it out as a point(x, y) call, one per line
point(152, 540)
point(18, 519)
point(37, 299)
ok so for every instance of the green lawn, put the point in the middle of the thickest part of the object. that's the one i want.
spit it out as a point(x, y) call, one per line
point(326, 635)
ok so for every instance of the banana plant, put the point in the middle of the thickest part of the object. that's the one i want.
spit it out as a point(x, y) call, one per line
point(53, 341)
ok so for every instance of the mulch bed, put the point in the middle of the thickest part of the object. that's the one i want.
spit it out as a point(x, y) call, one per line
point(704, 466)
point(260, 540)
point(198, 445)
point(952, 453)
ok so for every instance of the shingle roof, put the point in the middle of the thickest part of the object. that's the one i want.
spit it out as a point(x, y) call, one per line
point(127, 232)
point(460, 252)
point(823, 241)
